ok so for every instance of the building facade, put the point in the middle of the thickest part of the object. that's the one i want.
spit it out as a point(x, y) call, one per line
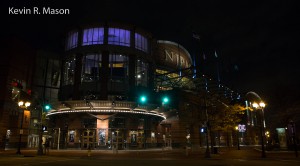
point(114, 86)
point(16, 85)
point(109, 96)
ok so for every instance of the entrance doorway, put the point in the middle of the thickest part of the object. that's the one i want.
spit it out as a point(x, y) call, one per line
point(88, 139)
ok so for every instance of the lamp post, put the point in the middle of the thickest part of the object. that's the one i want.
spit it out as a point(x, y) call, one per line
point(40, 147)
point(261, 106)
point(23, 106)
point(237, 137)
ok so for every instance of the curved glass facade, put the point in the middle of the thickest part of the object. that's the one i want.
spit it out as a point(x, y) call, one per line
point(93, 36)
point(72, 40)
point(118, 76)
point(69, 71)
point(141, 77)
point(118, 36)
point(141, 42)
point(103, 72)
point(115, 36)
point(91, 64)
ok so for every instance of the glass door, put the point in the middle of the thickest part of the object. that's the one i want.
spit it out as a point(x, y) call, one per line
point(88, 140)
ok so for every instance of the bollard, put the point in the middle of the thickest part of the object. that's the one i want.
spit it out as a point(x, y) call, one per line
point(89, 151)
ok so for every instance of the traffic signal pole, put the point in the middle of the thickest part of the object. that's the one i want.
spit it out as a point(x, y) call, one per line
point(40, 125)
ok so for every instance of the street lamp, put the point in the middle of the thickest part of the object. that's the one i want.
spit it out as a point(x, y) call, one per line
point(237, 136)
point(261, 106)
point(23, 106)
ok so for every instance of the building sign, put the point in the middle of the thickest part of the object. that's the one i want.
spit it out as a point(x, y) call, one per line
point(176, 59)
point(172, 55)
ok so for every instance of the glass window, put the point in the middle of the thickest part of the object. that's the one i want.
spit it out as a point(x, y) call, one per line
point(141, 76)
point(93, 36)
point(72, 40)
point(102, 137)
point(72, 136)
point(118, 66)
point(91, 67)
point(118, 36)
point(69, 71)
point(141, 42)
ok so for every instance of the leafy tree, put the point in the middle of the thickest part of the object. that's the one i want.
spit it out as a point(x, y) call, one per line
point(226, 118)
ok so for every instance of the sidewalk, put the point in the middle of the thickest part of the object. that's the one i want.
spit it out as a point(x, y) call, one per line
point(174, 154)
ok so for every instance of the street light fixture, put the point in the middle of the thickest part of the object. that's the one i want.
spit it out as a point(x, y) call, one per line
point(261, 106)
point(23, 106)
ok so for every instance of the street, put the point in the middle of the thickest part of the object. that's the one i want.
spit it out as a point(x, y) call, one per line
point(229, 157)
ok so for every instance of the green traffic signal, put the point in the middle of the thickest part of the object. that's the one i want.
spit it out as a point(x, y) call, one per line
point(143, 99)
point(165, 100)
point(47, 107)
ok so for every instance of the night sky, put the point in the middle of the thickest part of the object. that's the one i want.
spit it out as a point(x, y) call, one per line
point(256, 42)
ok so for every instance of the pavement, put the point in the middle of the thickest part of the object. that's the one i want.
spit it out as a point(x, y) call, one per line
point(245, 153)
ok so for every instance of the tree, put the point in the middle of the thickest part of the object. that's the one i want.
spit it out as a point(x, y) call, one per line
point(226, 118)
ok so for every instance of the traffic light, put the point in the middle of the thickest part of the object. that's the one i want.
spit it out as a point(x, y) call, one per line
point(143, 99)
point(165, 100)
point(47, 107)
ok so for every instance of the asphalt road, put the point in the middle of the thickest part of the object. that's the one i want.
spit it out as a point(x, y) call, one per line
point(226, 157)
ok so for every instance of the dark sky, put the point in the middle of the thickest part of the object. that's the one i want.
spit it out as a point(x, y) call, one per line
point(256, 42)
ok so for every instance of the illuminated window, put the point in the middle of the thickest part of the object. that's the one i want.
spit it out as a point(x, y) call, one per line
point(93, 36)
point(141, 76)
point(102, 137)
point(141, 42)
point(72, 136)
point(118, 77)
point(69, 71)
point(118, 36)
point(91, 67)
point(72, 40)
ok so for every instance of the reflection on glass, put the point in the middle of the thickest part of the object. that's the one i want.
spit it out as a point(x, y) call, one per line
point(118, 36)
point(93, 36)
point(141, 42)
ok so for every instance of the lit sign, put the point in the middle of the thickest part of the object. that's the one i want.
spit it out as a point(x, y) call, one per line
point(175, 58)
point(172, 55)
point(242, 128)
